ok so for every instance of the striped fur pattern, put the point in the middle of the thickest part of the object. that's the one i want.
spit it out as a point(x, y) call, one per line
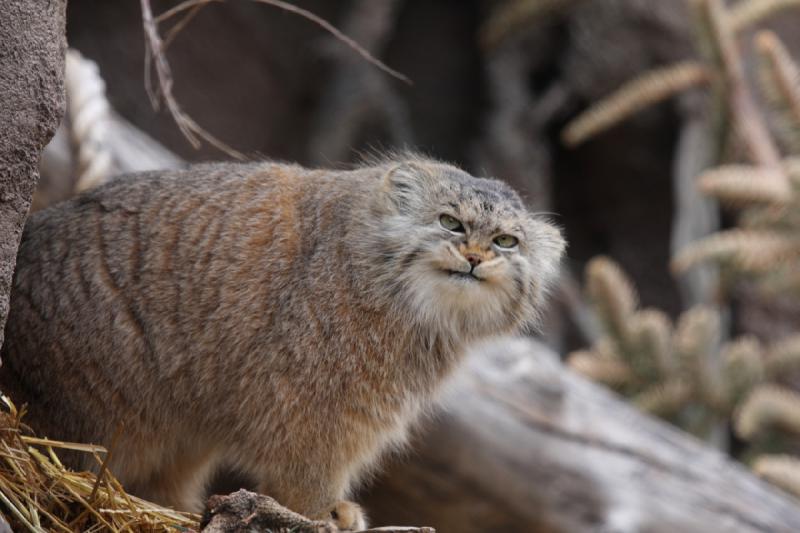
point(290, 322)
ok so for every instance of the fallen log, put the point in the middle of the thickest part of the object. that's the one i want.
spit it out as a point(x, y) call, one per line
point(247, 512)
point(523, 444)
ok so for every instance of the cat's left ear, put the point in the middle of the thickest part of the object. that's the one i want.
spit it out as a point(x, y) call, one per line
point(405, 185)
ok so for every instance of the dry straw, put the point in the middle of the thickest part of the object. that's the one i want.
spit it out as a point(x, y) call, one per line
point(39, 494)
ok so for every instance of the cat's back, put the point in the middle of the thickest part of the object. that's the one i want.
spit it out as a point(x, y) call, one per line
point(167, 198)
point(121, 280)
point(157, 218)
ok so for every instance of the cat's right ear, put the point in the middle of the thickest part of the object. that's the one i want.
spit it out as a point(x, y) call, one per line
point(403, 186)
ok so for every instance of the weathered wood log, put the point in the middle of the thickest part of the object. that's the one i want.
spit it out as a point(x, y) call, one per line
point(244, 511)
point(247, 512)
point(32, 47)
point(523, 444)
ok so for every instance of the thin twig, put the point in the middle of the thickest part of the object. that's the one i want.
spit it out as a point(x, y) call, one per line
point(155, 56)
point(154, 52)
point(178, 27)
point(308, 15)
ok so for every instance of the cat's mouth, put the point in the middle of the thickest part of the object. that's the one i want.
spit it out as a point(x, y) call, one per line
point(466, 276)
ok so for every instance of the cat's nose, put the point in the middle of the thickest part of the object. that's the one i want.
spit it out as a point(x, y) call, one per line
point(474, 259)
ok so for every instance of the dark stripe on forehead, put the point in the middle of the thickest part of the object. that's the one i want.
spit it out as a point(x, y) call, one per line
point(496, 192)
point(491, 201)
point(489, 192)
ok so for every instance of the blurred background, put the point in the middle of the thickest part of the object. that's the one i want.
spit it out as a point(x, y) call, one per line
point(524, 91)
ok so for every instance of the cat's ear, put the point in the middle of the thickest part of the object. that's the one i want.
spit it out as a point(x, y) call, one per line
point(405, 185)
point(549, 249)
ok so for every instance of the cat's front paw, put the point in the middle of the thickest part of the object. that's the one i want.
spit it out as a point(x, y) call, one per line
point(348, 516)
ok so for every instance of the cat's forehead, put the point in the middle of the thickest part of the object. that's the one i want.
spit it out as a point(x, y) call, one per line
point(471, 195)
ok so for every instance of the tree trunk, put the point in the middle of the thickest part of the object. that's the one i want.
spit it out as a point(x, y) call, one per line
point(523, 444)
point(32, 48)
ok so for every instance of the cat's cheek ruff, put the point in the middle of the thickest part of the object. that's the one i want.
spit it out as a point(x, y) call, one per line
point(460, 308)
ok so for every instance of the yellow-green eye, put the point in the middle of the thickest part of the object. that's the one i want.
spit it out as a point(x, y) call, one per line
point(506, 241)
point(451, 223)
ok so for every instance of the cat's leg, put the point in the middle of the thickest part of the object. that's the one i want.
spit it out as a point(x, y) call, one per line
point(346, 515)
point(180, 482)
point(316, 496)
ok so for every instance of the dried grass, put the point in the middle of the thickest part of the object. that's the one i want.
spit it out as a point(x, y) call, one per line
point(37, 493)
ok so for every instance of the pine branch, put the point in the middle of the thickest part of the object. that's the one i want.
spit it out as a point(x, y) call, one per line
point(651, 334)
point(609, 371)
point(747, 13)
point(772, 218)
point(612, 294)
point(780, 470)
point(766, 409)
point(780, 82)
point(696, 339)
point(747, 120)
point(743, 184)
point(791, 165)
point(649, 88)
point(742, 369)
point(666, 398)
point(696, 332)
point(516, 15)
point(783, 358)
point(747, 251)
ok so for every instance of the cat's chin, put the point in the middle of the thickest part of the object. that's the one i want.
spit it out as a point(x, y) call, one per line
point(460, 301)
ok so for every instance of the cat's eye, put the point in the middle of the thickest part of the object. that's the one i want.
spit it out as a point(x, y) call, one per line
point(506, 241)
point(451, 224)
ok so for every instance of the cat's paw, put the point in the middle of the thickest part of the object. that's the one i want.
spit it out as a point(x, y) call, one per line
point(348, 516)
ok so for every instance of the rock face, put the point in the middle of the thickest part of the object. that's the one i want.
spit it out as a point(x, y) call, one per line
point(32, 50)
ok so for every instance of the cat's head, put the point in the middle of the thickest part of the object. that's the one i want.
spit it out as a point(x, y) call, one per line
point(463, 253)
